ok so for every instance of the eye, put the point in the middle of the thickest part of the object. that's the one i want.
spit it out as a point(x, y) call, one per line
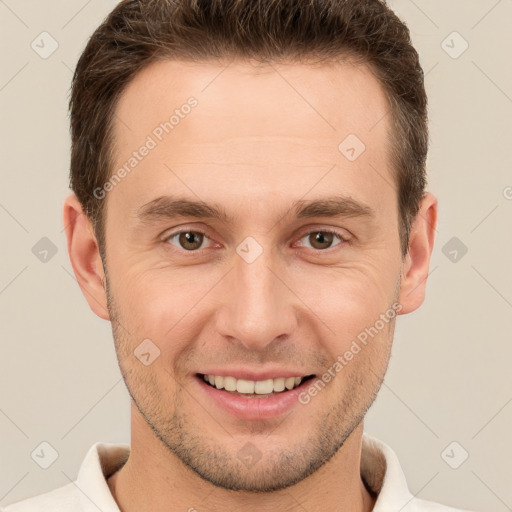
point(322, 239)
point(187, 239)
point(194, 240)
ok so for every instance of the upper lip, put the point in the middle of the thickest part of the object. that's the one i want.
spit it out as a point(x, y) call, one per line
point(255, 375)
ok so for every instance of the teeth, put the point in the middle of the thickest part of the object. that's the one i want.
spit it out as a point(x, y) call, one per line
point(279, 384)
point(259, 387)
point(245, 386)
point(289, 382)
point(229, 383)
point(264, 387)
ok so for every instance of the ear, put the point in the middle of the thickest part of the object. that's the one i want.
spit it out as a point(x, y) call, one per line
point(415, 267)
point(85, 256)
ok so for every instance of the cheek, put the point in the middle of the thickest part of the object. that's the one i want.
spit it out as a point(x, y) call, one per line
point(164, 305)
point(347, 299)
point(170, 305)
point(362, 358)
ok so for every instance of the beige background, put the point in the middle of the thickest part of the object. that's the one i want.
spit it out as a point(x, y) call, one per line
point(449, 378)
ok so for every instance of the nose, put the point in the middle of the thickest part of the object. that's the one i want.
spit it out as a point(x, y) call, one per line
point(256, 307)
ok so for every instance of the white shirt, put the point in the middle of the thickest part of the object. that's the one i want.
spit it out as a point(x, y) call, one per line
point(90, 492)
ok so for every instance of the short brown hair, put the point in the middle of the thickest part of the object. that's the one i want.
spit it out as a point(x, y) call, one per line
point(139, 32)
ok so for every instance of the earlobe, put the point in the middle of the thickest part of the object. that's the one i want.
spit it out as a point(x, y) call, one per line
point(415, 267)
point(84, 256)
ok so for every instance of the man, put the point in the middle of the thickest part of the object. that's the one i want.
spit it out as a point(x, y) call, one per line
point(250, 213)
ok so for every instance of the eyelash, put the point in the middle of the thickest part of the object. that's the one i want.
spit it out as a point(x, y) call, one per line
point(342, 238)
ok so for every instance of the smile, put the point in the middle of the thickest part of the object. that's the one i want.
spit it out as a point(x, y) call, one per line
point(245, 387)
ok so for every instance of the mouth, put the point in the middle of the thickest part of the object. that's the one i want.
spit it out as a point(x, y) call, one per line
point(270, 396)
point(254, 388)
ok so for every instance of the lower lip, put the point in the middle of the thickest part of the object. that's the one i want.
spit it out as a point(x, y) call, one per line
point(253, 407)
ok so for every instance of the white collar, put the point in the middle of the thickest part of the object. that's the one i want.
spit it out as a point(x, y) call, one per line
point(380, 469)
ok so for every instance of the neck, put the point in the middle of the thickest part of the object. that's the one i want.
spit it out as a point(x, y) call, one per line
point(154, 479)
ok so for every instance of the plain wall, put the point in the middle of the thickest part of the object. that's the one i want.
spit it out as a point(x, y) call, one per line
point(449, 378)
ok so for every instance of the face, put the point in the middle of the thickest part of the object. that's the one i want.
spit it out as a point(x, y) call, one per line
point(293, 252)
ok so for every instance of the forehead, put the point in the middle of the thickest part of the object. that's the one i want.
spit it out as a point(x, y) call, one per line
point(252, 128)
point(334, 97)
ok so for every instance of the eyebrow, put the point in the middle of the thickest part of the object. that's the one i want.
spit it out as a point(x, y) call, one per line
point(166, 207)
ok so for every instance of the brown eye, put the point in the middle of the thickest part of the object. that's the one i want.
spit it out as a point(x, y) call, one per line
point(188, 240)
point(322, 239)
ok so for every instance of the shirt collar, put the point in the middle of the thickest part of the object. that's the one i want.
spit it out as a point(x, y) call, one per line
point(380, 469)
point(101, 461)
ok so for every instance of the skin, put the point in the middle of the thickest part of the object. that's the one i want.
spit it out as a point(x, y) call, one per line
point(253, 145)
